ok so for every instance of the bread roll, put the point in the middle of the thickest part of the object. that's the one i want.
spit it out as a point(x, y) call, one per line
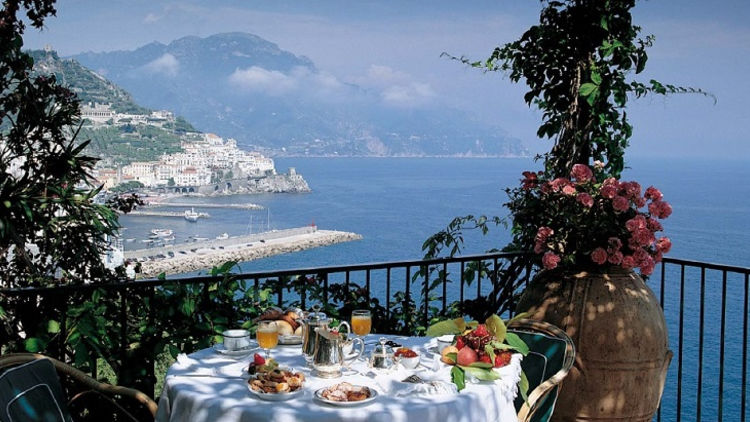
point(298, 331)
point(294, 324)
point(283, 327)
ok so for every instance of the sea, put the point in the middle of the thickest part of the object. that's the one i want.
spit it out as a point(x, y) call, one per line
point(397, 203)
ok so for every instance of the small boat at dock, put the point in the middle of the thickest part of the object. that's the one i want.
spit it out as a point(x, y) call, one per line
point(191, 215)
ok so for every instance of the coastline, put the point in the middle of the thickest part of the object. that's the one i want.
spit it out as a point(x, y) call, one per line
point(191, 258)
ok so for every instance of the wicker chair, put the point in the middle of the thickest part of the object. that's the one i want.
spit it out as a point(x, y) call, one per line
point(88, 399)
point(551, 356)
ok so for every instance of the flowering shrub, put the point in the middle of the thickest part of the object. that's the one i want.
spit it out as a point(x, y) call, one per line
point(584, 221)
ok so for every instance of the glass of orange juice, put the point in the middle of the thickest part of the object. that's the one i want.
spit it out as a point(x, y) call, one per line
point(267, 336)
point(361, 322)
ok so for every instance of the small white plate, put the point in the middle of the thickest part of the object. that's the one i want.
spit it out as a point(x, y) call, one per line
point(320, 398)
point(219, 348)
point(276, 396)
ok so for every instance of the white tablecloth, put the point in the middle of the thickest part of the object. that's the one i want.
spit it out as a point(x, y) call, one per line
point(207, 387)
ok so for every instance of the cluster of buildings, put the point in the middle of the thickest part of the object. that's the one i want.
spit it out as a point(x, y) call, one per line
point(201, 162)
point(102, 114)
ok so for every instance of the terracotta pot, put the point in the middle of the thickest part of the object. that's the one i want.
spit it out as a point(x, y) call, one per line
point(620, 336)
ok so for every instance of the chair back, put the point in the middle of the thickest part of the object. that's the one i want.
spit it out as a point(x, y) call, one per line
point(32, 392)
point(550, 358)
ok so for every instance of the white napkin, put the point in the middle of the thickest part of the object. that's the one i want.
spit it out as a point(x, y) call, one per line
point(187, 366)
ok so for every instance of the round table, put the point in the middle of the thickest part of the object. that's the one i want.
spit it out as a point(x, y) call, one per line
point(211, 387)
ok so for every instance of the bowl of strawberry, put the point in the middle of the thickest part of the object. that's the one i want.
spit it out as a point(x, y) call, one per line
point(407, 357)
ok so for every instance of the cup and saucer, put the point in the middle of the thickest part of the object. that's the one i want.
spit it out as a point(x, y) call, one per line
point(236, 343)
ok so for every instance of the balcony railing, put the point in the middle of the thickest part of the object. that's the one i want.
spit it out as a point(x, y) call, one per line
point(706, 308)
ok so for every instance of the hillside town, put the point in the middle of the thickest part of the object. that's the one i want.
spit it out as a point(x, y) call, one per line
point(202, 162)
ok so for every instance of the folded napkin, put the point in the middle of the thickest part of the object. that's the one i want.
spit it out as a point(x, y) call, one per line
point(189, 367)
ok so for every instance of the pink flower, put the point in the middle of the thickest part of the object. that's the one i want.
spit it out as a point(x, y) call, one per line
point(635, 223)
point(644, 237)
point(641, 257)
point(614, 243)
point(658, 256)
point(543, 233)
point(598, 164)
point(608, 191)
point(628, 261)
point(585, 199)
point(631, 190)
point(550, 260)
point(654, 225)
point(647, 266)
point(640, 202)
point(529, 180)
point(665, 210)
point(538, 247)
point(664, 245)
point(559, 183)
point(599, 255)
point(615, 258)
point(620, 204)
point(582, 173)
point(569, 190)
point(653, 194)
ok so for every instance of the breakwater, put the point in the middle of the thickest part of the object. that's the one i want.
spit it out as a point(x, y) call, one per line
point(193, 256)
point(246, 206)
point(166, 214)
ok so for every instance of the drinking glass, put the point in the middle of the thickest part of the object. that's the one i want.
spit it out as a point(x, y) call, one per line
point(267, 336)
point(361, 322)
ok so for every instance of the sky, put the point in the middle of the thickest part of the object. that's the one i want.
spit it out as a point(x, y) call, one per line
point(396, 46)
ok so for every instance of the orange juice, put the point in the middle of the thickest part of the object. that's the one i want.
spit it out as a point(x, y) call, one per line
point(267, 339)
point(361, 324)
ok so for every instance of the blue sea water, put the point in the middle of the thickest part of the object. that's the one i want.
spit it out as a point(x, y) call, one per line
point(396, 203)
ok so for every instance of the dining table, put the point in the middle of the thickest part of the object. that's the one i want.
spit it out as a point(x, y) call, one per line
point(212, 386)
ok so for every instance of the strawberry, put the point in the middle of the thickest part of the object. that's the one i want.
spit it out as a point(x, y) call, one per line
point(481, 330)
point(502, 358)
point(258, 360)
point(460, 343)
point(485, 359)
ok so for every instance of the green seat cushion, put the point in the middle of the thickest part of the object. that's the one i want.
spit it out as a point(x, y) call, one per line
point(545, 359)
point(32, 393)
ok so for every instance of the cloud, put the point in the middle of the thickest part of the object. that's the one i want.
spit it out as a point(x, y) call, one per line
point(167, 65)
point(151, 18)
point(300, 80)
point(396, 88)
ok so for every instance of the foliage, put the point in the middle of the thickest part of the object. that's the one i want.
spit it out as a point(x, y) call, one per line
point(576, 63)
point(50, 227)
point(585, 220)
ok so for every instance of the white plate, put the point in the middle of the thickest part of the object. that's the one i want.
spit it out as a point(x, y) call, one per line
point(219, 348)
point(275, 396)
point(287, 340)
point(320, 398)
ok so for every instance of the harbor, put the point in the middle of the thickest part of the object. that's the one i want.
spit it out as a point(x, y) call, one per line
point(176, 214)
point(203, 254)
point(239, 206)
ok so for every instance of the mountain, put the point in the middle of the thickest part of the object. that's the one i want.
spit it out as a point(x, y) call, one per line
point(245, 87)
point(114, 143)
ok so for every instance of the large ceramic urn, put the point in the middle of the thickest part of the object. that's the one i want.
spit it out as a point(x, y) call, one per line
point(620, 336)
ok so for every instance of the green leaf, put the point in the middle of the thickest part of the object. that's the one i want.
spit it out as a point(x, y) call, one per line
point(523, 386)
point(452, 356)
point(514, 341)
point(522, 315)
point(53, 327)
point(451, 326)
point(496, 327)
point(483, 365)
point(481, 374)
point(162, 276)
point(596, 77)
point(458, 378)
point(490, 350)
point(173, 351)
point(34, 344)
point(587, 89)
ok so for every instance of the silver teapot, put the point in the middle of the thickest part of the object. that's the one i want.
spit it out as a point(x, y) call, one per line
point(328, 358)
point(312, 320)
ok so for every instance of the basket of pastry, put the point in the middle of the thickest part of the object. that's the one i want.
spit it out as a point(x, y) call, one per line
point(288, 324)
point(345, 394)
point(270, 382)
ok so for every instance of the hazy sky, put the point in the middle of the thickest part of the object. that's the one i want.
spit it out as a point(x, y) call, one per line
point(395, 46)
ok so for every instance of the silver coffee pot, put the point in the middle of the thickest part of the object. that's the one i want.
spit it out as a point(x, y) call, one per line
point(328, 358)
point(312, 320)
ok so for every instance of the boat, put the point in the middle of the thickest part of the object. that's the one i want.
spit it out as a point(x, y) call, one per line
point(162, 232)
point(131, 239)
point(191, 215)
point(222, 236)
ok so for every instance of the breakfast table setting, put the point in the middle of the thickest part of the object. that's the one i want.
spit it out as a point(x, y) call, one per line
point(331, 373)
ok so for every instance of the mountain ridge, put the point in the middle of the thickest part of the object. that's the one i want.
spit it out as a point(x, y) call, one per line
point(248, 88)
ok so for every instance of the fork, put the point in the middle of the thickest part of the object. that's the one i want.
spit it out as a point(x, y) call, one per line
point(414, 379)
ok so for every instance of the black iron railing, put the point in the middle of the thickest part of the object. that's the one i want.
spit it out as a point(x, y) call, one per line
point(705, 305)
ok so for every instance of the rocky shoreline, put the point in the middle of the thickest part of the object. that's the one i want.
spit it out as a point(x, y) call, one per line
point(207, 258)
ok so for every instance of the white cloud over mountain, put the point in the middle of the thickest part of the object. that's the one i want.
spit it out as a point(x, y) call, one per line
point(166, 64)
